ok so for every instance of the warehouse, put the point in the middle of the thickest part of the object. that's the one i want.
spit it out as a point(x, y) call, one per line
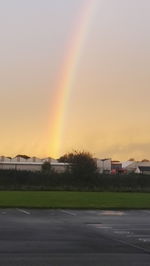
point(31, 164)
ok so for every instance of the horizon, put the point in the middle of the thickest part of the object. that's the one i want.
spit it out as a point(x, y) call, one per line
point(102, 158)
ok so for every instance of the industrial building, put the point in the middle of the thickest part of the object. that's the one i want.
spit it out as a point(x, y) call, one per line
point(30, 164)
point(145, 170)
point(134, 166)
point(103, 165)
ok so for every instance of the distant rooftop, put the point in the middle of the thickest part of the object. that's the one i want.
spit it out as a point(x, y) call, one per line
point(144, 168)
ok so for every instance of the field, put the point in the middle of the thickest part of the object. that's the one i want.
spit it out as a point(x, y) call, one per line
point(78, 200)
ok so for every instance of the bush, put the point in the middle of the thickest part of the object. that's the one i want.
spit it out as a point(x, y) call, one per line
point(83, 166)
point(27, 180)
point(46, 167)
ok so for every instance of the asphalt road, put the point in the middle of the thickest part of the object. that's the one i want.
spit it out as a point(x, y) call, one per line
point(71, 237)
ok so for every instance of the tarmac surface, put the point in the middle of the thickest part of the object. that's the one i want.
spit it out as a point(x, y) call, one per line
point(72, 237)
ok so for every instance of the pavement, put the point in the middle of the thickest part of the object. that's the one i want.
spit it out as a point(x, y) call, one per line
point(74, 237)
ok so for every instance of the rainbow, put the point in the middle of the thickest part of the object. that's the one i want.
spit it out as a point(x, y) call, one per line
point(67, 76)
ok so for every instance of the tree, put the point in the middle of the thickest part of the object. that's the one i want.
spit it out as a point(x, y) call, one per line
point(46, 167)
point(145, 160)
point(23, 156)
point(67, 158)
point(83, 166)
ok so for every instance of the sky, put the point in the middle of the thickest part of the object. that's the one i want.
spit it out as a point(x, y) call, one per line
point(106, 109)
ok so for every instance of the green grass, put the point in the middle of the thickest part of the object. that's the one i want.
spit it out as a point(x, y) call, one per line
point(79, 200)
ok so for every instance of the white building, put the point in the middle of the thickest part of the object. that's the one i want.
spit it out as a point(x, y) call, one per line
point(31, 164)
point(34, 159)
point(126, 164)
point(103, 165)
point(6, 159)
point(143, 170)
point(134, 165)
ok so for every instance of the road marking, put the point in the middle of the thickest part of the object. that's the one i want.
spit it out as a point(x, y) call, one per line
point(124, 241)
point(115, 213)
point(126, 225)
point(100, 226)
point(140, 229)
point(68, 212)
point(137, 236)
point(103, 227)
point(121, 232)
point(121, 229)
point(114, 237)
point(23, 211)
point(131, 245)
point(144, 239)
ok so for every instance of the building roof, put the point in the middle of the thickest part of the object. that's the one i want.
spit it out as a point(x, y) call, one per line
point(126, 163)
point(116, 163)
point(32, 163)
point(144, 168)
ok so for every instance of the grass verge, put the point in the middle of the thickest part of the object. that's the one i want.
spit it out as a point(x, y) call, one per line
point(78, 200)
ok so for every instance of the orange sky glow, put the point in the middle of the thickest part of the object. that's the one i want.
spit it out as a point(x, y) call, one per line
point(105, 108)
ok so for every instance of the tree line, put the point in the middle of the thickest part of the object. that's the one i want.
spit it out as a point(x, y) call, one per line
point(82, 175)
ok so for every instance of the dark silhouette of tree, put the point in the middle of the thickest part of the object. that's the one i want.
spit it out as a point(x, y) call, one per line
point(83, 165)
point(67, 158)
point(23, 156)
point(145, 160)
point(131, 159)
point(46, 167)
